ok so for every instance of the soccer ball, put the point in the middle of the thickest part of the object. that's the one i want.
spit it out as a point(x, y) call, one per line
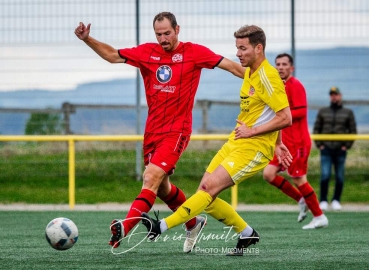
point(61, 233)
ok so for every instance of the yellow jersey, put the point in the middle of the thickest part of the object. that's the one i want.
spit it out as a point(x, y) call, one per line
point(262, 95)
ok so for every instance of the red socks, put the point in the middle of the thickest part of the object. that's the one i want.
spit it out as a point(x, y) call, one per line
point(310, 198)
point(145, 201)
point(304, 190)
point(286, 187)
point(142, 203)
point(175, 199)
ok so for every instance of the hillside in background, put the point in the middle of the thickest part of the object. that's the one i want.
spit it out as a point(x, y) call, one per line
point(318, 70)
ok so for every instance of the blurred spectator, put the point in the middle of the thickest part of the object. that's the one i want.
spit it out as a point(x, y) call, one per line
point(334, 119)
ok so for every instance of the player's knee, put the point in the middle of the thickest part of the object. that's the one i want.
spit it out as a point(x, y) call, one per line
point(210, 188)
point(299, 181)
point(152, 180)
point(268, 176)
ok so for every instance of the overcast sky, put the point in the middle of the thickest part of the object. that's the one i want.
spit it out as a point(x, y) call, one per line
point(38, 49)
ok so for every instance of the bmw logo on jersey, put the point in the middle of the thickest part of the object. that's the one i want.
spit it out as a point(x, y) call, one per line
point(164, 74)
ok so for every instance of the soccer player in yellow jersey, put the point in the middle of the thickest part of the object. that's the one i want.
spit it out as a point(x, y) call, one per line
point(264, 110)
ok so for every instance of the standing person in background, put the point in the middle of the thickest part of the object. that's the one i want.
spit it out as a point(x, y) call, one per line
point(334, 119)
point(297, 140)
point(171, 73)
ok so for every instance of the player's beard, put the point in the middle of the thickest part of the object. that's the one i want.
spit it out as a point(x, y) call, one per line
point(283, 76)
point(168, 46)
point(250, 62)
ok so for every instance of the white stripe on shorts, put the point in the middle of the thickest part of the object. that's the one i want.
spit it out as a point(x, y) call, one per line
point(248, 168)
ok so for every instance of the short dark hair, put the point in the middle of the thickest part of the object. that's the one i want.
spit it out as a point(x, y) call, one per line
point(290, 58)
point(254, 33)
point(170, 16)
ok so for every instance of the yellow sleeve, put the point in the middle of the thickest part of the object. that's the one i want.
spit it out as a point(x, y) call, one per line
point(273, 91)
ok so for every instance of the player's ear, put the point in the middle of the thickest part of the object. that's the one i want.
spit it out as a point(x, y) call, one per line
point(177, 29)
point(259, 48)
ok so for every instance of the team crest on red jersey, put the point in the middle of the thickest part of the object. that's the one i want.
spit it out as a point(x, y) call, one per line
point(177, 58)
point(164, 74)
point(251, 91)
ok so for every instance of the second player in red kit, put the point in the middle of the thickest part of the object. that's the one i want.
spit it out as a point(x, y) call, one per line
point(297, 139)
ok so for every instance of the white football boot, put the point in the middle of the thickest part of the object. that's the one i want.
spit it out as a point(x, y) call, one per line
point(193, 234)
point(303, 210)
point(317, 222)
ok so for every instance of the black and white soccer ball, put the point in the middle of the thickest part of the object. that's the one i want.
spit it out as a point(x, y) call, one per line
point(61, 233)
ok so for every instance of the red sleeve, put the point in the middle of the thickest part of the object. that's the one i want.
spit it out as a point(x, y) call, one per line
point(298, 113)
point(205, 58)
point(132, 55)
point(297, 98)
point(296, 94)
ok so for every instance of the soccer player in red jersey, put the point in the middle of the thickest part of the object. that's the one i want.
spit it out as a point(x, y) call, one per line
point(297, 139)
point(171, 72)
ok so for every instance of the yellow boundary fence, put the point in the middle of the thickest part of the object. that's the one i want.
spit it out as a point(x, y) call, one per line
point(71, 139)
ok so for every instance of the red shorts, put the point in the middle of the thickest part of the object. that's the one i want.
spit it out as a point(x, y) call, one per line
point(164, 149)
point(299, 163)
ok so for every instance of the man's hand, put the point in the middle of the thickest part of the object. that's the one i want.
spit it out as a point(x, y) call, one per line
point(283, 155)
point(82, 32)
point(242, 131)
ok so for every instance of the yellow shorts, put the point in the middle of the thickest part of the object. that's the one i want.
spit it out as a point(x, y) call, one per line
point(240, 162)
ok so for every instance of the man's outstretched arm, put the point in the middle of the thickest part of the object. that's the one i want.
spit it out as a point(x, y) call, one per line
point(105, 51)
point(235, 68)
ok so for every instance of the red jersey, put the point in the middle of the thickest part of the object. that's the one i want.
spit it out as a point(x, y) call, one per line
point(297, 135)
point(171, 80)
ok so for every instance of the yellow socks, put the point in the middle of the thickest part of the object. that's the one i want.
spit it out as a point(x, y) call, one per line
point(218, 209)
point(189, 209)
point(225, 213)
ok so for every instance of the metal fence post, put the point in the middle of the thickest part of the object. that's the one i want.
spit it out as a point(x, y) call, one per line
point(72, 173)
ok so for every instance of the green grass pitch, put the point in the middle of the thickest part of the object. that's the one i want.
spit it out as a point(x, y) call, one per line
point(283, 244)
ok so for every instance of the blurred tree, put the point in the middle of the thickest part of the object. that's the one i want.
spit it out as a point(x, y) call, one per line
point(44, 124)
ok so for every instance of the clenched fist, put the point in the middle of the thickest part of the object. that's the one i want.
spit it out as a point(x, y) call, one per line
point(82, 32)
